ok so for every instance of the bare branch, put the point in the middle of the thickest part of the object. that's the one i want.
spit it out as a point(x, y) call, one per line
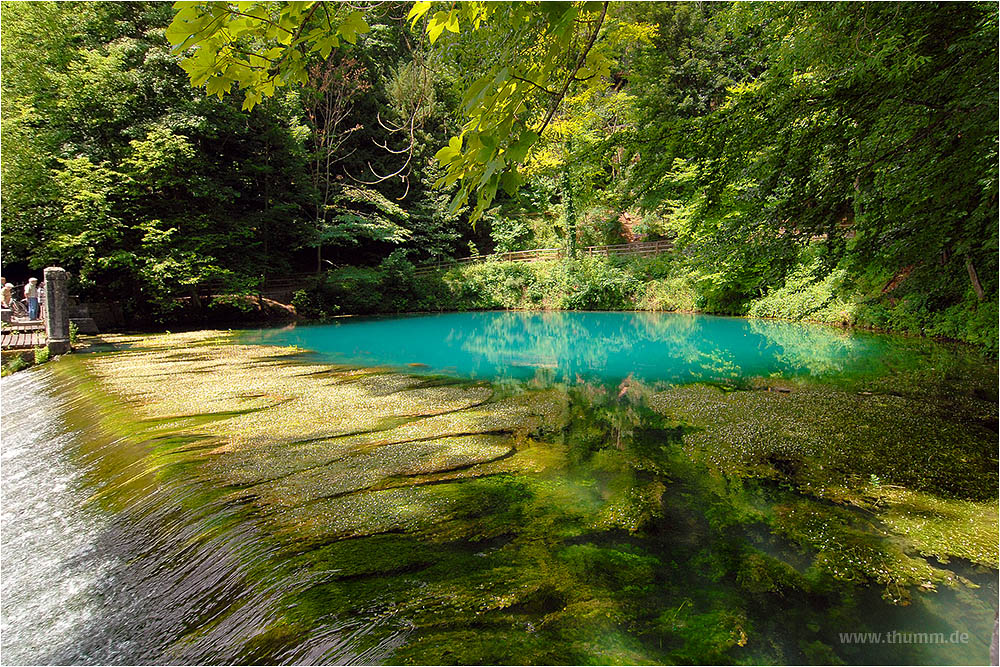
point(398, 128)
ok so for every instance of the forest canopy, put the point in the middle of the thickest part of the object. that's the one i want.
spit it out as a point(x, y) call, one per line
point(845, 152)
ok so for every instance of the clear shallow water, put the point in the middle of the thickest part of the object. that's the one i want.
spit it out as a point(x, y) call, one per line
point(569, 518)
point(590, 345)
point(105, 563)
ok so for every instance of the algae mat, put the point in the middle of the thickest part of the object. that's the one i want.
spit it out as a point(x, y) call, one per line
point(280, 510)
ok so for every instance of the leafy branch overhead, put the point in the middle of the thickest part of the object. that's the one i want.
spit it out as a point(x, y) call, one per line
point(538, 53)
point(258, 46)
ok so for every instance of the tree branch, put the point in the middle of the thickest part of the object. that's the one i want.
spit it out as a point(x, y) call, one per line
point(579, 63)
point(542, 88)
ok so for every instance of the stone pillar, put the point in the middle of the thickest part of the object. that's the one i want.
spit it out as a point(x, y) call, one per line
point(57, 310)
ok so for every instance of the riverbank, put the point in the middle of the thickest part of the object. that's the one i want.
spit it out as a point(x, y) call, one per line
point(913, 304)
point(326, 512)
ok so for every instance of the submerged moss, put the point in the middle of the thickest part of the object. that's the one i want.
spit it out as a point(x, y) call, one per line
point(543, 522)
point(818, 437)
point(901, 461)
point(943, 528)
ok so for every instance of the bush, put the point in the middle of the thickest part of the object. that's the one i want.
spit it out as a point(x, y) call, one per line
point(305, 304)
point(354, 290)
point(41, 355)
point(804, 292)
point(673, 294)
point(16, 364)
point(593, 284)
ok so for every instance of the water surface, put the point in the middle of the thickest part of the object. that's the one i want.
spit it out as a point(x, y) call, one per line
point(568, 488)
point(602, 346)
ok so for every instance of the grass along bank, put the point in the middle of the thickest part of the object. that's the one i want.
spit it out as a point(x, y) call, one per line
point(918, 301)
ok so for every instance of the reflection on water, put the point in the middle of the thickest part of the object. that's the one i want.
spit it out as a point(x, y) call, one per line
point(221, 503)
point(597, 346)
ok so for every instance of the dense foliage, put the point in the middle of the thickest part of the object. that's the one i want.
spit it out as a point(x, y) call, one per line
point(831, 161)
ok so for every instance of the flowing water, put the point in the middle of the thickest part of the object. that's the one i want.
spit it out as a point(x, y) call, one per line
point(565, 488)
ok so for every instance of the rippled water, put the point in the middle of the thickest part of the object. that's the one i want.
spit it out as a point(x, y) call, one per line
point(643, 502)
point(52, 570)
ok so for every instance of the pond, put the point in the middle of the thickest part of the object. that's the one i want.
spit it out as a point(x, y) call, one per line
point(598, 346)
point(503, 488)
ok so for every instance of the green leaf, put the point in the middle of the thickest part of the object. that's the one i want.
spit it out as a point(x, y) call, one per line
point(436, 25)
point(353, 26)
point(218, 85)
point(475, 92)
point(519, 149)
point(446, 155)
point(511, 181)
point(418, 10)
point(451, 152)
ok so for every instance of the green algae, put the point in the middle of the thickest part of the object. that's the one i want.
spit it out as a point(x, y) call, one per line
point(943, 528)
point(837, 435)
point(546, 523)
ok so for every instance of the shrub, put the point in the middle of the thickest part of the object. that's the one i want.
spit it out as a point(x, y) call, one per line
point(804, 292)
point(355, 290)
point(305, 303)
point(41, 355)
point(593, 284)
point(671, 294)
point(14, 365)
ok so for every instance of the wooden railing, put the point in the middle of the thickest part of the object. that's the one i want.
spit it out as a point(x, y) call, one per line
point(282, 288)
point(642, 248)
point(279, 289)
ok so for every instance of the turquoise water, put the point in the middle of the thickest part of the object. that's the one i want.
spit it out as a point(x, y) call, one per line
point(623, 489)
point(598, 346)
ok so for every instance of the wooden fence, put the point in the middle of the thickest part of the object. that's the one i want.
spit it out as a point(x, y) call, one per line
point(281, 289)
point(640, 249)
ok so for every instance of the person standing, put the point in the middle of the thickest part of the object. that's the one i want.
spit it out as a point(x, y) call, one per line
point(31, 294)
point(6, 292)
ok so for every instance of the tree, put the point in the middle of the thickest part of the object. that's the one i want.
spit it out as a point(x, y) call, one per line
point(332, 89)
point(541, 49)
point(139, 186)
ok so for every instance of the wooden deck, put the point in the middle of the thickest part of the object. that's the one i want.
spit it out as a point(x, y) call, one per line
point(19, 324)
point(22, 340)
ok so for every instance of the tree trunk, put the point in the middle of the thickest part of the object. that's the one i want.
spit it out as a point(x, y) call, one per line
point(195, 299)
point(568, 209)
point(974, 278)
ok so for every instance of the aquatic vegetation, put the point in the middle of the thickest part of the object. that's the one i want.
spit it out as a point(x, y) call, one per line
point(942, 527)
point(415, 518)
point(838, 436)
point(831, 452)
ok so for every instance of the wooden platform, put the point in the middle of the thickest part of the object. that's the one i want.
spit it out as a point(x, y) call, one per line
point(19, 324)
point(22, 340)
